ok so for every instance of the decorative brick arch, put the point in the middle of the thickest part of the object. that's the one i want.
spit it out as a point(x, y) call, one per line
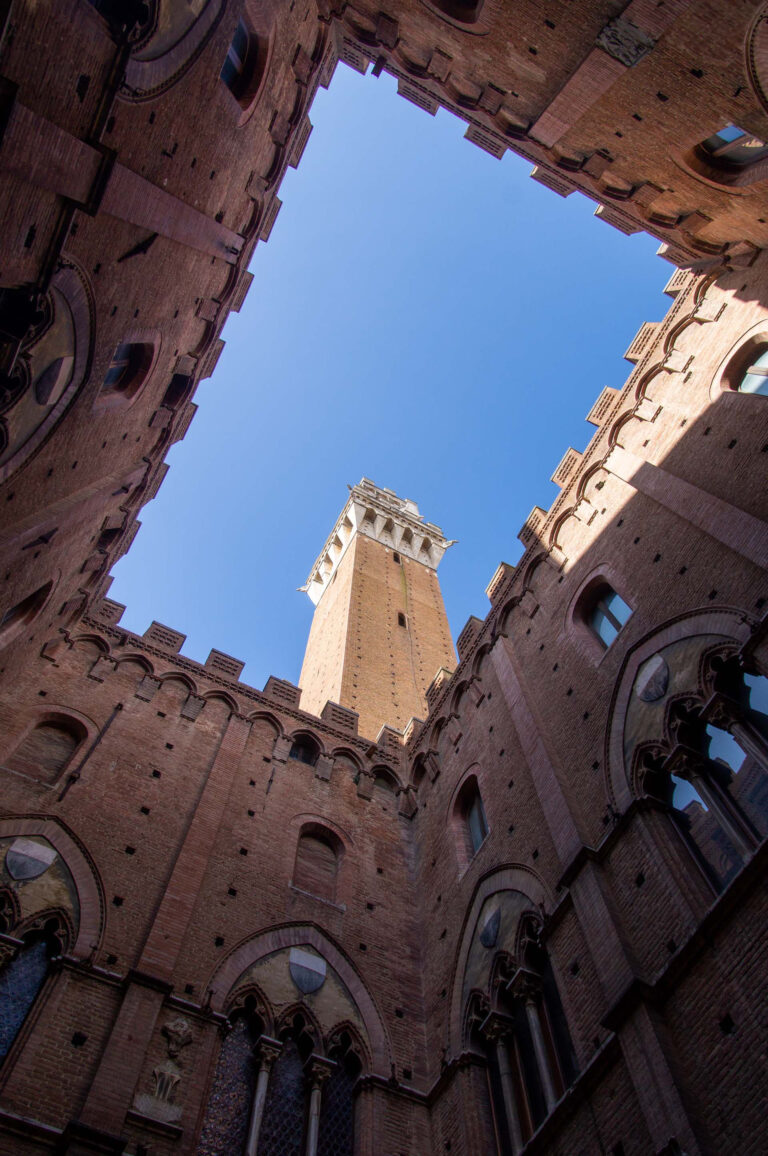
point(732, 625)
point(90, 892)
point(295, 935)
point(513, 877)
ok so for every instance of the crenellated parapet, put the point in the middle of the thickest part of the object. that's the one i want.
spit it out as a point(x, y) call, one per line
point(379, 514)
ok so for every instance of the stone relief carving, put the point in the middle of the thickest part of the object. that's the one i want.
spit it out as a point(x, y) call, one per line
point(160, 1102)
point(625, 42)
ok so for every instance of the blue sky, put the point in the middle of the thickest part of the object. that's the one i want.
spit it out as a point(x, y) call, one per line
point(423, 315)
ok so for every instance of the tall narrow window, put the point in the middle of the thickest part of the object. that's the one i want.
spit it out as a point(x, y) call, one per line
point(234, 65)
point(734, 147)
point(755, 379)
point(13, 620)
point(477, 823)
point(229, 1104)
point(317, 862)
point(46, 750)
point(608, 614)
point(469, 821)
point(22, 978)
point(245, 64)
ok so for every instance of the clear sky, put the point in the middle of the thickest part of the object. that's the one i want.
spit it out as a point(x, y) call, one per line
point(424, 315)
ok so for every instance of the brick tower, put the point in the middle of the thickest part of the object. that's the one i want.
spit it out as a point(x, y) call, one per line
point(379, 633)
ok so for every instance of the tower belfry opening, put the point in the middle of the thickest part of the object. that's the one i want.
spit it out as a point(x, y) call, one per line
point(379, 632)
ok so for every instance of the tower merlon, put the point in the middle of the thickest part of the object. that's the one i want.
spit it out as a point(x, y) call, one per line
point(379, 514)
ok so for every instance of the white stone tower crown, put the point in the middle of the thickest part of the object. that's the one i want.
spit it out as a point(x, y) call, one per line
point(379, 514)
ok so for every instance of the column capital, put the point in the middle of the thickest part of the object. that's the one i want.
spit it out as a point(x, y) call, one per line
point(267, 1050)
point(319, 1069)
point(496, 1026)
point(525, 985)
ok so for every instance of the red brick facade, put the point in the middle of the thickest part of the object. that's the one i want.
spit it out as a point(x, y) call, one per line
point(531, 920)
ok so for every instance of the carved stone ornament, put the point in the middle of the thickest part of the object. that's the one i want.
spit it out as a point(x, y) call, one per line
point(625, 42)
point(27, 859)
point(652, 679)
point(307, 970)
point(160, 1104)
point(178, 1035)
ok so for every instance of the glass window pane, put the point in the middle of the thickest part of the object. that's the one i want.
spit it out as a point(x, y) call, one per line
point(602, 626)
point(478, 827)
point(731, 132)
point(758, 692)
point(724, 748)
point(699, 824)
point(617, 606)
point(754, 383)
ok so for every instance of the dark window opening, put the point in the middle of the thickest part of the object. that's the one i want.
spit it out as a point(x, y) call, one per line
point(305, 750)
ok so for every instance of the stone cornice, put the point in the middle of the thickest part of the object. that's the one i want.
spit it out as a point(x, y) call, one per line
point(381, 515)
point(241, 690)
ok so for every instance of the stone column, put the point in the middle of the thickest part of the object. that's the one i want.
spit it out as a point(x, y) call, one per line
point(543, 1059)
point(693, 767)
point(497, 1030)
point(318, 1070)
point(526, 987)
point(267, 1051)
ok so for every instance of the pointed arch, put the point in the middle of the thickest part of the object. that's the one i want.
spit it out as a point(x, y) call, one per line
point(731, 625)
point(90, 890)
point(221, 696)
point(266, 716)
point(510, 877)
point(347, 753)
point(251, 950)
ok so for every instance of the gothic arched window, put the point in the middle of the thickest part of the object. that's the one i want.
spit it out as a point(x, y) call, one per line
point(283, 1124)
point(734, 148)
point(715, 777)
point(469, 821)
point(525, 1037)
point(22, 978)
point(466, 11)
point(23, 614)
point(337, 1115)
point(45, 750)
point(232, 1092)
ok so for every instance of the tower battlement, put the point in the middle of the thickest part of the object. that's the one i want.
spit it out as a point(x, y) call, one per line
point(380, 514)
point(379, 631)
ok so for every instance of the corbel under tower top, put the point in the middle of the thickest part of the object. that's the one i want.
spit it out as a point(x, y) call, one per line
point(379, 633)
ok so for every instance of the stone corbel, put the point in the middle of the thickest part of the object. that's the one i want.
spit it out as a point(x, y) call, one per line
point(281, 750)
point(147, 688)
point(365, 785)
point(323, 768)
point(406, 804)
point(476, 693)
point(101, 668)
point(192, 707)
